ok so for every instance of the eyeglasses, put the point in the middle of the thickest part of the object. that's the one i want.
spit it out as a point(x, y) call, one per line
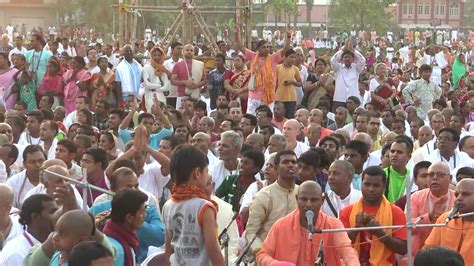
point(438, 174)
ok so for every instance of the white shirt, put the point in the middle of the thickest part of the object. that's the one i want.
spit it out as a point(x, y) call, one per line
point(347, 79)
point(70, 119)
point(16, 51)
point(3, 172)
point(211, 158)
point(16, 229)
point(339, 203)
point(250, 193)
point(154, 86)
point(169, 64)
point(15, 251)
point(20, 185)
point(94, 70)
point(300, 148)
point(224, 217)
point(372, 160)
point(19, 159)
point(152, 180)
point(26, 139)
point(41, 189)
point(459, 158)
point(51, 153)
point(219, 172)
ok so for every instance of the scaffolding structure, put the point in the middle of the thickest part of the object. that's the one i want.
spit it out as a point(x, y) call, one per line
point(188, 13)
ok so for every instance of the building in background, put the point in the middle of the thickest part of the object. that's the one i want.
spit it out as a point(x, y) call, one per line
point(32, 13)
point(443, 14)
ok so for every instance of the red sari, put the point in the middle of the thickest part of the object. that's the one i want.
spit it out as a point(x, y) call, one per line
point(239, 81)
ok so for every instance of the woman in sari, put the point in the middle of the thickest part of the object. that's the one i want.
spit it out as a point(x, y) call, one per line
point(155, 77)
point(52, 83)
point(76, 83)
point(317, 85)
point(382, 90)
point(7, 82)
point(103, 84)
point(237, 83)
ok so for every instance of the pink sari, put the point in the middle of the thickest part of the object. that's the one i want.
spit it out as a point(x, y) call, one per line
point(71, 90)
point(6, 84)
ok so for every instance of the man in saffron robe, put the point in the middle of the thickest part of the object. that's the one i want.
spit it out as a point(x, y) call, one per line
point(292, 231)
point(458, 233)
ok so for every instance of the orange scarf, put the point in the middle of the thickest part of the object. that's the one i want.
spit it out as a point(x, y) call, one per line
point(158, 65)
point(379, 254)
point(187, 191)
point(264, 77)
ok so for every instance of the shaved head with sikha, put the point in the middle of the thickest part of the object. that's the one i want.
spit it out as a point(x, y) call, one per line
point(73, 227)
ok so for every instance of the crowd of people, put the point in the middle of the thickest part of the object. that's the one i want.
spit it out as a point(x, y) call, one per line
point(112, 159)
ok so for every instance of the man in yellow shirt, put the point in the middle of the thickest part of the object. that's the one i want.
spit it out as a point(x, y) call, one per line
point(288, 78)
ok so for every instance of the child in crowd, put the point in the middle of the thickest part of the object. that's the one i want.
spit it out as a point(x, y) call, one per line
point(190, 215)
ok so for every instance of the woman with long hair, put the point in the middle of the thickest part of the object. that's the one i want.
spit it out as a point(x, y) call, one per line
point(76, 82)
point(7, 82)
point(52, 83)
point(237, 84)
point(155, 77)
point(103, 85)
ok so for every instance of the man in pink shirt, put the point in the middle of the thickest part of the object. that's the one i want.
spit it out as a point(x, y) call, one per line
point(265, 74)
point(288, 240)
point(429, 203)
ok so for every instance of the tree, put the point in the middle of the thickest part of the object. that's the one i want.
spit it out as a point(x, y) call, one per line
point(361, 14)
point(468, 13)
point(309, 9)
point(275, 7)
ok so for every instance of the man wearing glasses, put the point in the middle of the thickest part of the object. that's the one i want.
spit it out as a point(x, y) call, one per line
point(429, 203)
point(446, 143)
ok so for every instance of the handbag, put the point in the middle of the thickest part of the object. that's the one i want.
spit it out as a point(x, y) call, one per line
point(193, 93)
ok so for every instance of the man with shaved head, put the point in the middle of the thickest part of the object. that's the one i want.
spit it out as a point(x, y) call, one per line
point(202, 141)
point(9, 225)
point(457, 234)
point(342, 193)
point(424, 145)
point(316, 117)
point(291, 129)
point(429, 203)
point(372, 160)
point(72, 228)
point(257, 141)
point(50, 182)
point(302, 115)
point(189, 75)
point(288, 239)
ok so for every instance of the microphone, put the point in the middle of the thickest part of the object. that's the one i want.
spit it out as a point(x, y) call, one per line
point(453, 213)
point(310, 218)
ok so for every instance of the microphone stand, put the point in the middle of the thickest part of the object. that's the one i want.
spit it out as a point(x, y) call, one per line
point(246, 249)
point(320, 258)
point(85, 185)
point(224, 239)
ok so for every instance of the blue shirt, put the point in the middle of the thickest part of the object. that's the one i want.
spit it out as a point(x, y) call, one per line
point(120, 255)
point(135, 76)
point(154, 141)
point(151, 233)
point(357, 181)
